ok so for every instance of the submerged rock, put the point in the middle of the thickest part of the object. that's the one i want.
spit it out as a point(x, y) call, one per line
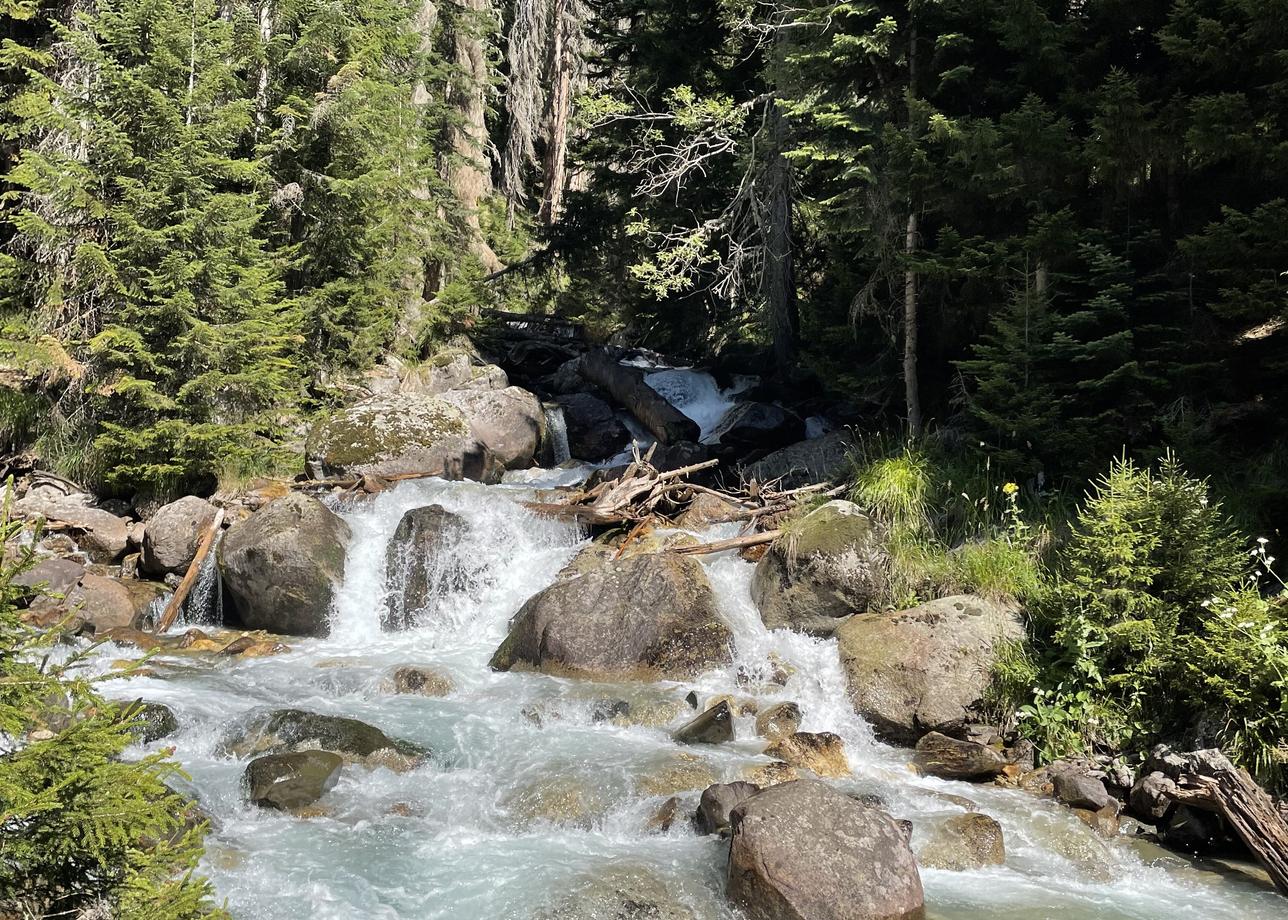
point(822, 753)
point(566, 800)
point(287, 730)
point(681, 773)
point(171, 536)
point(924, 669)
point(289, 781)
point(778, 721)
point(153, 721)
point(963, 842)
point(618, 894)
point(804, 851)
point(644, 618)
point(282, 565)
point(829, 566)
point(421, 681)
point(421, 565)
point(714, 726)
point(393, 435)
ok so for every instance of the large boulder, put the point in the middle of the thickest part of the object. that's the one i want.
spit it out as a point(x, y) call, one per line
point(49, 577)
point(98, 533)
point(594, 431)
point(171, 536)
point(821, 459)
point(756, 426)
point(805, 851)
point(395, 435)
point(421, 567)
point(828, 566)
point(924, 669)
point(452, 369)
point(647, 617)
point(282, 566)
point(293, 780)
point(509, 422)
point(282, 731)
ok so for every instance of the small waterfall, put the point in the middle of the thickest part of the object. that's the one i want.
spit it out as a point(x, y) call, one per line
point(697, 395)
point(554, 448)
point(205, 603)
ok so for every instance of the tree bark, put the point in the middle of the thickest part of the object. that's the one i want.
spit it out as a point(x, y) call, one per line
point(469, 174)
point(627, 386)
point(422, 277)
point(563, 63)
point(912, 394)
point(261, 88)
point(778, 279)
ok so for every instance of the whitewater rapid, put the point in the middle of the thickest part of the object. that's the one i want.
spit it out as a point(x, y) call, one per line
point(454, 838)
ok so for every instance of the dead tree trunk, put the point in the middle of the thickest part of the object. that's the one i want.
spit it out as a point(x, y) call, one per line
point(1218, 785)
point(627, 386)
point(912, 393)
point(778, 279)
point(469, 174)
point(562, 59)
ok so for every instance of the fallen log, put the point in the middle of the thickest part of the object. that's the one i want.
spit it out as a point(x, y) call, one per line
point(1215, 784)
point(719, 546)
point(171, 612)
point(371, 484)
point(626, 385)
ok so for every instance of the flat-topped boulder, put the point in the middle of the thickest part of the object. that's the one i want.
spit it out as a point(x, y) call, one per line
point(398, 434)
point(925, 669)
point(100, 534)
point(282, 566)
point(644, 618)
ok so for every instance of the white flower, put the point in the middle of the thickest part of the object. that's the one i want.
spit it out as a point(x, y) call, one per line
point(1262, 540)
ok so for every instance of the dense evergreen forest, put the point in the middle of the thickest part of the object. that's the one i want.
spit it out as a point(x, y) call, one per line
point(1053, 229)
point(1026, 259)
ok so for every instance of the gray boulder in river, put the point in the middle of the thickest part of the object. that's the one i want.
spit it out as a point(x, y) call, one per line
point(282, 565)
point(293, 780)
point(282, 731)
point(510, 423)
point(827, 567)
point(925, 669)
point(421, 566)
point(171, 535)
point(805, 851)
point(647, 617)
point(392, 435)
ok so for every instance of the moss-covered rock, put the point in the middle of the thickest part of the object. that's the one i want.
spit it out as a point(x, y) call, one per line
point(826, 566)
point(925, 669)
point(394, 435)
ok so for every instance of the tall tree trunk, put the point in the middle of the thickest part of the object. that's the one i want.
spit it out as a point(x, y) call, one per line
point(261, 88)
point(912, 395)
point(422, 277)
point(470, 175)
point(563, 63)
point(778, 279)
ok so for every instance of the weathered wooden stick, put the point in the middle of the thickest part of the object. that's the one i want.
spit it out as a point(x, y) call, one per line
point(171, 611)
point(375, 483)
point(702, 549)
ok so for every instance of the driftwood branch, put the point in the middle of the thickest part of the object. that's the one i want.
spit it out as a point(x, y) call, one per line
point(171, 612)
point(1217, 785)
point(626, 385)
point(719, 546)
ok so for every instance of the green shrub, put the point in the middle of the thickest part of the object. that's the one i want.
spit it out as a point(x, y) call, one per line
point(82, 831)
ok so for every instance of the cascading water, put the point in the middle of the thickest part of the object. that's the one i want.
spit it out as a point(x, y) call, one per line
point(697, 395)
point(556, 440)
point(533, 795)
point(205, 602)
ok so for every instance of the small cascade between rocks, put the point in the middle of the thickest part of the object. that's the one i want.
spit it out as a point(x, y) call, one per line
point(555, 445)
point(205, 603)
point(540, 798)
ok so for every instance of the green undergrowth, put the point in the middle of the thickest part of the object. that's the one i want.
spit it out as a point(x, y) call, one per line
point(84, 831)
point(1149, 617)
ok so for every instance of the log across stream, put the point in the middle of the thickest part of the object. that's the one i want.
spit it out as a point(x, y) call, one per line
point(539, 798)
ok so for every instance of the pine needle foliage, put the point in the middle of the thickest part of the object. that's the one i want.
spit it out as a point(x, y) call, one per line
point(81, 828)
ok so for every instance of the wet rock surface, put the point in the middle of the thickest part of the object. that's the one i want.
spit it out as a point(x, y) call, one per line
point(422, 566)
point(290, 730)
point(949, 758)
point(963, 842)
point(291, 781)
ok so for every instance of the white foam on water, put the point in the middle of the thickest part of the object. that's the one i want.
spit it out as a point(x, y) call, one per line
point(697, 395)
point(453, 840)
